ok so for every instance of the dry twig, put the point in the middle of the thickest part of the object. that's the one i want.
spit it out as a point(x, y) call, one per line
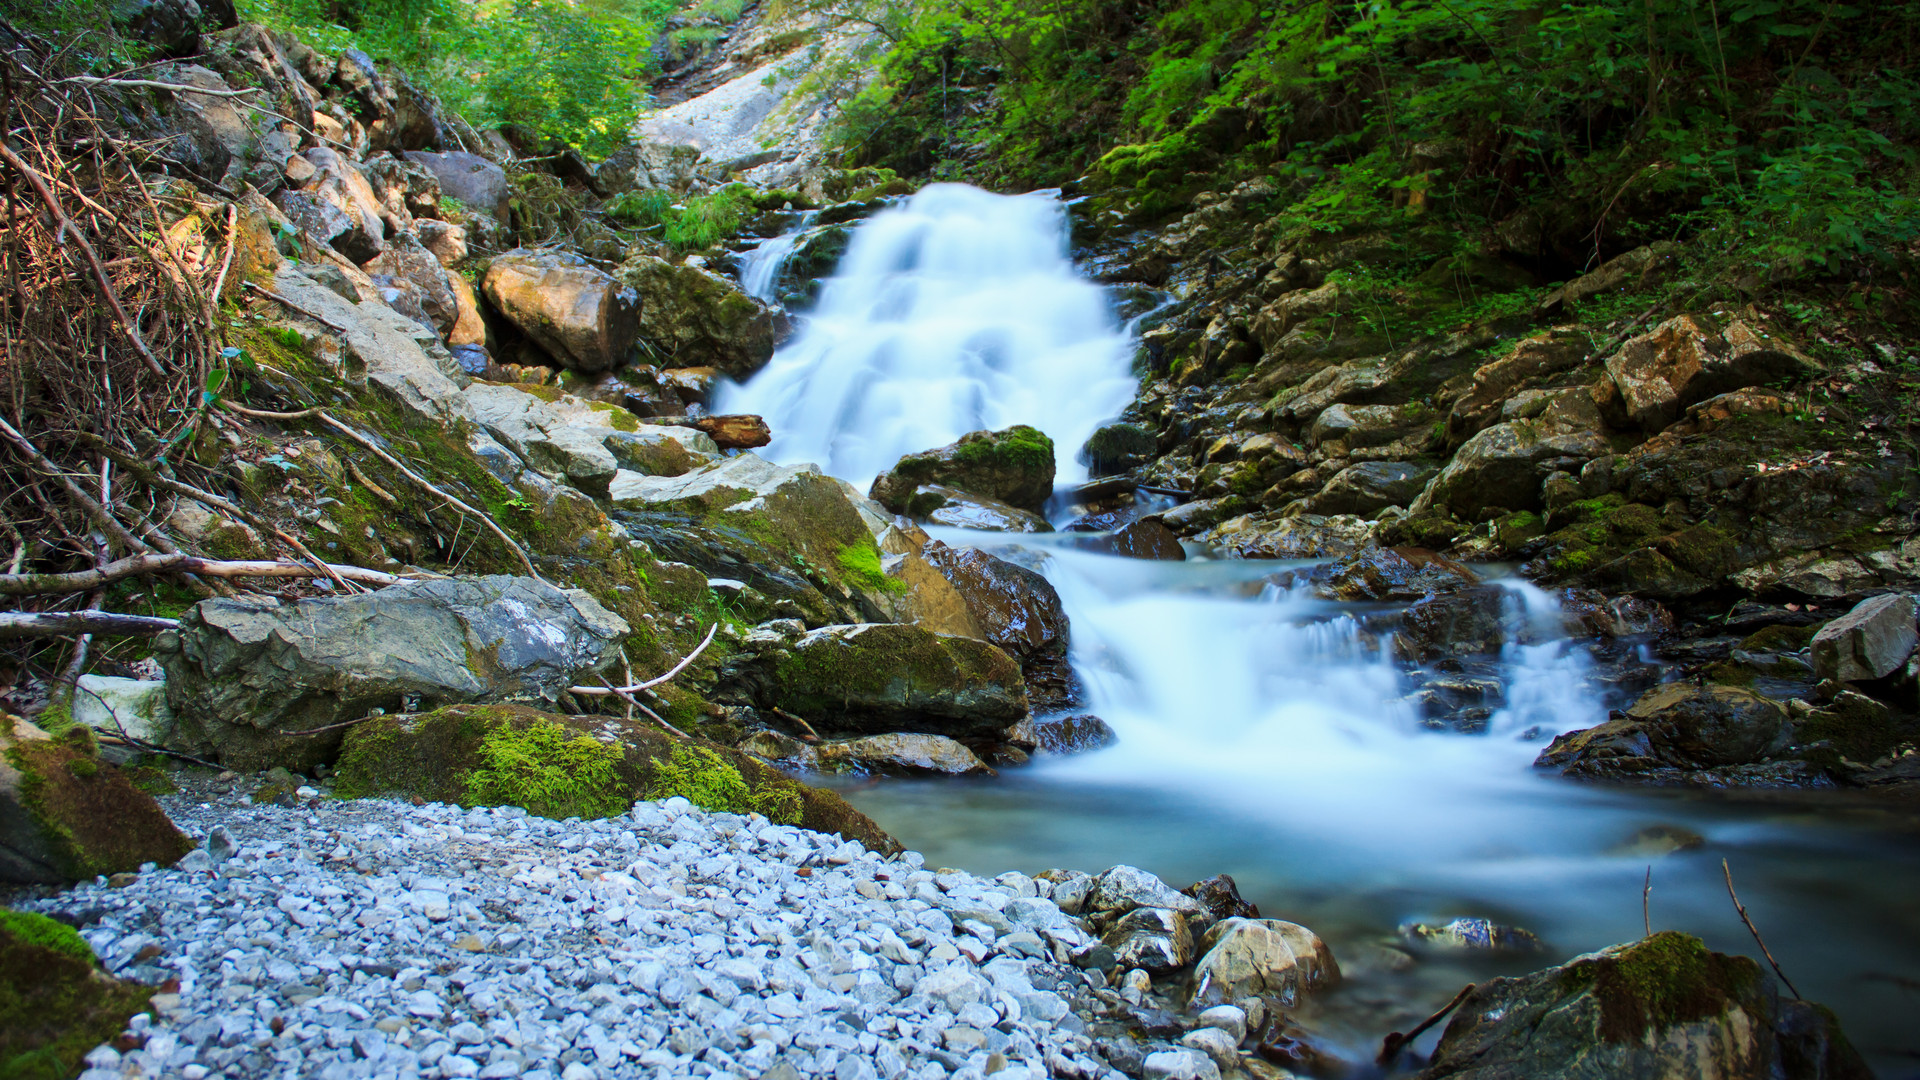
point(1755, 931)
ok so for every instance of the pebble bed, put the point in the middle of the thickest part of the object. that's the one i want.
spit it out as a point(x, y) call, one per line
point(375, 938)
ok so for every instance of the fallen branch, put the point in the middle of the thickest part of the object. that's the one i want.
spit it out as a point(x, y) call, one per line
point(1396, 1042)
point(373, 448)
point(808, 733)
point(635, 703)
point(85, 580)
point(156, 84)
point(100, 515)
point(1646, 901)
point(604, 691)
point(62, 227)
point(26, 624)
point(1755, 931)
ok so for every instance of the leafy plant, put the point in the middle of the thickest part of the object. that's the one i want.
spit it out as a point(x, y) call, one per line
point(548, 770)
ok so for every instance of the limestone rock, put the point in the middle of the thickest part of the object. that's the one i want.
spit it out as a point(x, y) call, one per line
point(1123, 888)
point(66, 816)
point(1370, 487)
point(1358, 426)
point(1241, 958)
point(1593, 1017)
point(254, 682)
point(1014, 466)
point(1870, 642)
point(1534, 360)
point(661, 451)
point(580, 315)
point(941, 505)
point(407, 259)
point(1681, 362)
point(888, 677)
point(136, 707)
point(902, 752)
point(1155, 940)
point(928, 599)
point(1501, 467)
point(694, 317)
point(470, 178)
point(380, 346)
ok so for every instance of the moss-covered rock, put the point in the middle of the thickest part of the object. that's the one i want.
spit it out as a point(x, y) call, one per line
point(1665, 1006)
point(882, 677)
point(693, 317)
point(55, 1002)
point(1014, 466)
point(1672, 731)
point(512, 755)
point(67, 816)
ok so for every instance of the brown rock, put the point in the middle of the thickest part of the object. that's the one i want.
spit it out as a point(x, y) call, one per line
point(1682, 362)
point(577, 313)
point(1148, 538)
point(1019, 611)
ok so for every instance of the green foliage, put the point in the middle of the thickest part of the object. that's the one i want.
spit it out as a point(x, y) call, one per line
point(698, 224)
point(549, 771)
point(572, 71)
point(862, 564)
point(33, 928)
point(706, 780)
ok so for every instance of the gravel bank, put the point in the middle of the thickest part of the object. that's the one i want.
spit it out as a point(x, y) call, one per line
point(381, 939)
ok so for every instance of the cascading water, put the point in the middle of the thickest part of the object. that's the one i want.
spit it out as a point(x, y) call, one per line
point(760, 268)
point(955, 312)
point(1261, 731)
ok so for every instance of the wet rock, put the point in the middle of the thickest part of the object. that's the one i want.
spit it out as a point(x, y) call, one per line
point(1468, 622)
point(1241, 958)
point(1147, 538)
point(1220, 896)
point(1154, 940)
point(1399, 573)
point(1014, 466)
point(1195, 517)
point(888, 677)
point(1678, 726)
point(1664, 1006)
point(580, 315)
point(1271, 536)
point(693, 317)
point(1471, 935)
point(1118, 447)
point(1681, 362)
point(927, 598)
point(895, 752)
point(1073, 734)
point(1018, 610)
point(1591, 614)
point(255, 682)
point(1370, 487)
point(470, 178)
point(1870, 642)
point(963, 510)
point(66, 816)
point(1123, 888)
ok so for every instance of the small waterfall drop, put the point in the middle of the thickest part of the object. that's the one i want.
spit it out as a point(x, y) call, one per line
point(760, 268)
point(956, 311)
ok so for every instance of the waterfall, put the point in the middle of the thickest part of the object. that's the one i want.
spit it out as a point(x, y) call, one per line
point(760, 268)
point(956, 311)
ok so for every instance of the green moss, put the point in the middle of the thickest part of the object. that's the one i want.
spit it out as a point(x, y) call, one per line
point(56, 718)
point(704, 779)
point(861, 561)
point(549, 771)
point(621, 419)
point(1020, 448)
point(1854, 726)
point(1779, 639)
point(152, 781)
point(1702, 550)
point(99, 822)
point(1661, 982)
point(39, 931)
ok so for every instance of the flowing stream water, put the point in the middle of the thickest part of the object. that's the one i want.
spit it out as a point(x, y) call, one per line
point(1262, 732)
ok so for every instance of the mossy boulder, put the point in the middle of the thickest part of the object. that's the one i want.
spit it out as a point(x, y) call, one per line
point(574, 765)
point(693, 317)
point(1119, 447)
point(886, 677)
point(56, 1004)
point(1014, 466)
point(1664, 1006)
point(1676, 726)
point(255, 682)
point(66, 816)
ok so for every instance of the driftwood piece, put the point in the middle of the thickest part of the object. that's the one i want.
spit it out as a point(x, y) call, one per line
point(25, 624)
point(84, 580)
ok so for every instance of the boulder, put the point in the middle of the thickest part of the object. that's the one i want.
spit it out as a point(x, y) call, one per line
point(1396, 573)
point(1681, 362)
point(662, 451)
point(380, 346)
point(1358, 426)
point(1119, 447)
point(693, 317)
point(1370, 487)
point(135, 707)
point(582, 316)
point(1220, 897)
point(407, 259)
point(1072, 734)
point(889, 677)
point(338, 184)
point(255, 682)
point(928, 599)
point(1018, 610)
point(1273, 536)
point(1466, 622)
point(1145, 538)
point(58, 1005)
point(435, 756)
point(470, 178)
point(1242, 958)
point(1503, 466)
point(66, 816)
point(900, 752)
point(1663, 1006)
point(1155, 940)
point(1677, 726)
point(1123, 888)
point(1532, 361)
point(565, 437)
point(940, 505)
point(1014, 466)
point(1870, 642)
point(223, 138)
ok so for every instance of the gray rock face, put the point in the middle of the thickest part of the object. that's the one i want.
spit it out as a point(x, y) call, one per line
point(252, 681)
point(1869, 642)
point(469, 178)
point(896, 752)
point(698, 318)
point(1370, 487)
point(1155, 940)
point(889, 677)
point(1681, 362)
point(1719, 1015)
point(1123, 888)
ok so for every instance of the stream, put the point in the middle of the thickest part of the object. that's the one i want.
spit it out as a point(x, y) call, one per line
point(1262, 732)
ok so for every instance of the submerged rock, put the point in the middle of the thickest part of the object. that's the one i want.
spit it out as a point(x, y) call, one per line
point(1072, 734)
point(255, 682)
point(1661, 1007)
point(1471, 935)
point(1013, 466)
point(66, 816)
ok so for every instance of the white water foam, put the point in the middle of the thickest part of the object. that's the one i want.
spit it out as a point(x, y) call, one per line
point(956, 311)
